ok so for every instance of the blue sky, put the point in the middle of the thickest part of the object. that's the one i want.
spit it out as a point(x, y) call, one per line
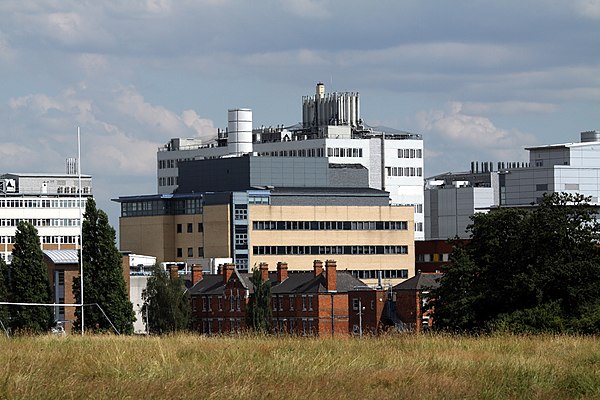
point(480, 80)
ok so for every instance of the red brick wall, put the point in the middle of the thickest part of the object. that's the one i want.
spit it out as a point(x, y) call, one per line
point(408, 308)
point(373, 303)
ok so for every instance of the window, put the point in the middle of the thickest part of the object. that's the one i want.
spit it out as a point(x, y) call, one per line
point(541, 187)
point(310, 303)
point(179, 252)
point(190, 228)
point(200, 227)
point(190, 252)
point(292, 301)
point(355, 302)
point(200, 251)
point(179, 228)
point(241, 214)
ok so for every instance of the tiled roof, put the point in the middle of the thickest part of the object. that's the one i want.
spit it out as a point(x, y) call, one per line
point(297, 282)
point(421, 281)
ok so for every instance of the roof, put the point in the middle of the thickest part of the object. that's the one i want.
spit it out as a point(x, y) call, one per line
point(421, 281)
point(297, 282)
point(562, 145)
point(43, 175)
point(309, 191)
point(62, 256)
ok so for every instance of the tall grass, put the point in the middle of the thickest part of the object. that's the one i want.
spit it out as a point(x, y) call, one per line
point(406, 366)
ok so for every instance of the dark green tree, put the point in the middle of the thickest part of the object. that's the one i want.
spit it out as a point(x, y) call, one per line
point(29, 283)
point(4, 294)
point(166, 306)
point(534, 270)
point(103, 280)
point(259, 307)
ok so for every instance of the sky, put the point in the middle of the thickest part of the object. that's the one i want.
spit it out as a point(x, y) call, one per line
point(480, 80)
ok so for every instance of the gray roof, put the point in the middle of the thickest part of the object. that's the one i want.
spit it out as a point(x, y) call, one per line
point(62, 256)
point(297, 282)
point(421, 281)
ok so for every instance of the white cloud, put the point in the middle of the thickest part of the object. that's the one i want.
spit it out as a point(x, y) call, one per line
point(313, 9)
point(458, 135)
point(588, 8)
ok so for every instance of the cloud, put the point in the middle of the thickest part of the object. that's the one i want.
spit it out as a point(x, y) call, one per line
point(507, 107)
point(588, 8)
point(460, 136)
point(313, 9)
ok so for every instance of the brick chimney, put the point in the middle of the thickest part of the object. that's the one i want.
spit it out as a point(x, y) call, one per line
point(196, 274)
point(264, 271)
point(331, 271)
point(318, 267)
point(173, 271)
point(282, 271)
point(227, 272)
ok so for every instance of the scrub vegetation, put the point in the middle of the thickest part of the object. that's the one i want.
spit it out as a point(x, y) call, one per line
point(401, 366)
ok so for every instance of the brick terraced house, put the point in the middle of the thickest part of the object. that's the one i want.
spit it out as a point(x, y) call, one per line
point(321, 302)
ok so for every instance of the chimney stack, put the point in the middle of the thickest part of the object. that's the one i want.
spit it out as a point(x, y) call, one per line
point(318, 267)
point(227, 272)
point(331, 271)
point(282, 271)
point(196, 274)
point(264, 271)
point(173, 271)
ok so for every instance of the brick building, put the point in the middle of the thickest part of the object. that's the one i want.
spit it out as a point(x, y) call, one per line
point(322, 302)
point(412, 297)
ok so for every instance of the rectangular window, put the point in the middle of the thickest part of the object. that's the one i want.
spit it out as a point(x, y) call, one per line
point(179, 252)
point(541, 187)
point(200, 251)
point(200, 227)
point(355, 302)
point(179, 228)
point(190, 228)
point(190, 252)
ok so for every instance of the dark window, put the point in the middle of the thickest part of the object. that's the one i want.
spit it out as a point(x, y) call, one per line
point(200, 251)
point(200, 227)
point(179, 228)
point(190, 252)
point(179, 252)
point(190, 228)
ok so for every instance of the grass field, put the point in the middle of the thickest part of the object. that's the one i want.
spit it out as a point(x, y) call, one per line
point(406, 366)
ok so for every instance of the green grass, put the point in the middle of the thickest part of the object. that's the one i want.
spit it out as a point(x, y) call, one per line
point(250, 367)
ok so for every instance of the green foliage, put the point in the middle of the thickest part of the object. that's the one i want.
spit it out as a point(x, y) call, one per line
point(4, 294)
point(166, 304)
point(29, 283)
point(526, 271)
point(259, 308)
point(103, 281)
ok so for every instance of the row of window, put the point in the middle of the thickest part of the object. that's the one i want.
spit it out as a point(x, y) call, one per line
point(406, 171)
point(293, 153)
point(72, 190)
point(163, 164)
point(435, 257)
point(44, 239)
point(319, 250)
point(161, 207)
point(410, 153)
point(41, 222)
point(329, 225)
point(344, 152)
point(303, 326)
point(215, 326)
point(190, 252)
point(233, 301)
point(375, 274)
point(190, 227)
point(168, 181)
point(42, 203)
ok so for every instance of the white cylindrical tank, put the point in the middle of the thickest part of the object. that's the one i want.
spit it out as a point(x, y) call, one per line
point(239, 126)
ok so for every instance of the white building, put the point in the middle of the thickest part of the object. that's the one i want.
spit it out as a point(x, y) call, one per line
point(331, 128)
point(49, 201)
point(567, 167)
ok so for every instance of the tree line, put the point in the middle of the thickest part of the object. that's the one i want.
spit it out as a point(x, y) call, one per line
point(525, 270)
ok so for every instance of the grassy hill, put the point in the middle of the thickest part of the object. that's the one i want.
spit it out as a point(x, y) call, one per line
point(406, 366)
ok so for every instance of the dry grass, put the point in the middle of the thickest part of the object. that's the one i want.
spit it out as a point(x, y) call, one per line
point(406, 366)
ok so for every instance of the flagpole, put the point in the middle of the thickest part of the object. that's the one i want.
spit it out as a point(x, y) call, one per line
point(80, 229)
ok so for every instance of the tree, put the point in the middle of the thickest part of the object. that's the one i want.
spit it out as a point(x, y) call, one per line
point(259, 307)
point(526, 271)
point(4, 294)
point(166, 303)
point(103, 281)
point(29, 283)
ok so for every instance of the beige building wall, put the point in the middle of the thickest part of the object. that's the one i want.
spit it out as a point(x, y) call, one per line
point(217, 228)
point(153, 236)
point(335, 237)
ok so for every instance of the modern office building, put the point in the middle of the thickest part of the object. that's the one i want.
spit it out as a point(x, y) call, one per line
point(357, 226)
point(566, 167)
point(332, 133)
point(51, 202)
